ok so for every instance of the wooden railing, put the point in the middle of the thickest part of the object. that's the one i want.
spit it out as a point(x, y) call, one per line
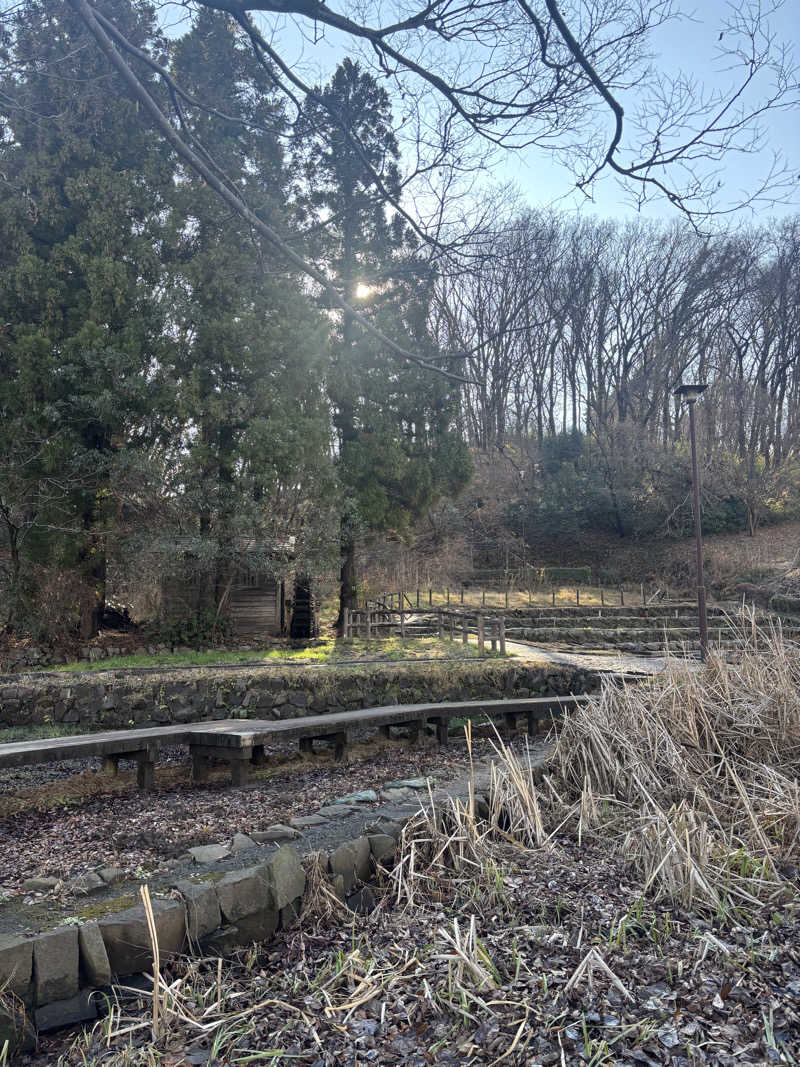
point(379, 620)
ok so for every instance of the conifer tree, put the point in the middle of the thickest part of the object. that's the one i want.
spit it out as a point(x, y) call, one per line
point(395, 444)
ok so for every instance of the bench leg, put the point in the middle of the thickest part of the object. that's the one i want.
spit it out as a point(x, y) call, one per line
point(416, 733)
point(443, 730)
point(306, 746)
point(385, 732)
point(339, 746)
point(111, 766)
point(201, 765)
point(240, 768)
point(510, 724)
point(259, 756)
point(145, 771)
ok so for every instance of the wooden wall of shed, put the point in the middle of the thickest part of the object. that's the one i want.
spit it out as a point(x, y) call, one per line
point(254, 604)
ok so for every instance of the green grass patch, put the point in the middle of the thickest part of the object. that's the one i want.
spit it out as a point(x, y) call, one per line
point(326, 650)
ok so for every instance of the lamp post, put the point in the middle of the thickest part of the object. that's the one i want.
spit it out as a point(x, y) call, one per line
point(690, 393)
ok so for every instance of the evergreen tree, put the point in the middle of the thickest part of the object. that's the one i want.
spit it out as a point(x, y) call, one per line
point(396, 448)
point(253, 460)
point(80, 232)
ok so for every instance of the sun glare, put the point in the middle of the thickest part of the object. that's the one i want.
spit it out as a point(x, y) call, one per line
point(363, 291)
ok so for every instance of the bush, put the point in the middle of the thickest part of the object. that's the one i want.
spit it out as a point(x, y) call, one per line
point(785, 605)
point(567, 575)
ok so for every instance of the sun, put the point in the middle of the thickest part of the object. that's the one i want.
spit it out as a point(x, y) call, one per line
point(363, 291)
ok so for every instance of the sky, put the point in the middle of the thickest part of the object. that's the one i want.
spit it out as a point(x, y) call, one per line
point(536, 176)
point(691, 46)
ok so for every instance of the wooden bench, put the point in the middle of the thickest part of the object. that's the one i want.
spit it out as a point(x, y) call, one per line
point(240, 742)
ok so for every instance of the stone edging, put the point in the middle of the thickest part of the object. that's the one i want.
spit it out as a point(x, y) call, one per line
point(49, 978)
point(114, 702)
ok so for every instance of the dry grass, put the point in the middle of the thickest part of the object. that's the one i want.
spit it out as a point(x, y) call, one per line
point(691, 774)
point(707, 762)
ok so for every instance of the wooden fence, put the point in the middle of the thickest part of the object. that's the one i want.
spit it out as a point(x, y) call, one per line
point(378, 620)
point(422, 599)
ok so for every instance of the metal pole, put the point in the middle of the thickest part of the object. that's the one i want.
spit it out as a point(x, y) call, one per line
point(698, 535)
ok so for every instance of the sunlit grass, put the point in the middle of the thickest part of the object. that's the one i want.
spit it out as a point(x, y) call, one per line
point(325, 650)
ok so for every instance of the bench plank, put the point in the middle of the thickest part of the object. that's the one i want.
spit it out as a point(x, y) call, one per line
point(234, 738)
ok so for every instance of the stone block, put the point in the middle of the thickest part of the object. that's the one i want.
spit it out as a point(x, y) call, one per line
point(55, 965)
point(362, 901)
point(365, 796)
point(303, 822)
point(16, 964)
point(351, 861)
point(383, 825)
point(112, 875)
point(39, 885)
point(222, 942)
point(242, 893)
point(209, 853)
point(240, 842)
point(382, 846)
point(78, 1009)
point(277, 832)
point(291, 913)
point(90, 882)
point(127, 941)
point(284, 874)
point(258, 926)
point(203, 914)
point(94, 966)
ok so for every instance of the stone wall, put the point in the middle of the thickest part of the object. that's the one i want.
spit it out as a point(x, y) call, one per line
point(117, 699)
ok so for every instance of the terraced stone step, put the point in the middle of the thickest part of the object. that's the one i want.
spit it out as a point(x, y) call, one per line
point(605, 621)
point(631, 609)
point(619, 637)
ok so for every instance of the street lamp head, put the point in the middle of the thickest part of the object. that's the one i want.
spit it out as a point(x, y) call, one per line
point(690, 393)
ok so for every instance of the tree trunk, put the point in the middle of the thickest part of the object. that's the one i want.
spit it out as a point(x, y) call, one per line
point(93, 567)
point(347, 573)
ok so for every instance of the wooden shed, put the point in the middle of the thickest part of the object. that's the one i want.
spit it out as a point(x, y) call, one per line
point(249, 597)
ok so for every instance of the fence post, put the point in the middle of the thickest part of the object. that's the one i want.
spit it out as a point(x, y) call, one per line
point(430, 596)
point(417, 596)
point(346, 623)
point(506, 597)
point(530, 595)
point(622, 596)
point(448, 596)
point(481, 640)
point(483, 596)
point(554, 596)
point(402, 624)
point(464, 630)
point(493, 638)
point(368, 623)
point(462, 594)
point(602, 598)
point(441, 629)
point(501, 626)
point(577, 596)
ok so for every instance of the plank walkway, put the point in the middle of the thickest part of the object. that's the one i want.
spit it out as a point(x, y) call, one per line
point(241, 742)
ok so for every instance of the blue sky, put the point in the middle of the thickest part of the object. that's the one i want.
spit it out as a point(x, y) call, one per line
point(689, 45)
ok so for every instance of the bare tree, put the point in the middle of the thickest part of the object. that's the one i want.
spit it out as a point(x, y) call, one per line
point(574, 78)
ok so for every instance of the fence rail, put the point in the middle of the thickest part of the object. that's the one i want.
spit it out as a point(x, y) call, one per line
point(379, 620)
point(429, 597)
